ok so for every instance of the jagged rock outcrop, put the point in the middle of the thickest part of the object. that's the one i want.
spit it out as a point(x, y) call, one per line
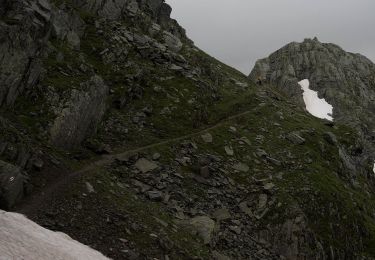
point(67, 25)
point(158, 10)
point(24, 31)
point(337, 75)
point(345, 80)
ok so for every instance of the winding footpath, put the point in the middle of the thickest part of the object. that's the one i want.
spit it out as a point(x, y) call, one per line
point(32, 203)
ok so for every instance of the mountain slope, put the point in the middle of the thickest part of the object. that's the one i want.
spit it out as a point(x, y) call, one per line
point(124, 135)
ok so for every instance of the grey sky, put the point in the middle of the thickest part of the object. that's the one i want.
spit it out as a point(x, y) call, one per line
point(238, 32)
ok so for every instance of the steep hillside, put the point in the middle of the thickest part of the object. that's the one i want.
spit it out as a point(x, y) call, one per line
point(120, 72)
point(117, 130)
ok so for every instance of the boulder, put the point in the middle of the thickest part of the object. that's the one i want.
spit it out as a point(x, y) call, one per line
point(229, 150)
point(89, 187)
point(12, 184)
point(242, 167)
point(221, 214)
point(295, 138)
point(132, 8)
point(207, 138)
point(145, 165)
point(155, 195)
point(173, 43)
point(81, 114)
point(154, 29)
point(330, 138)
point(245, 208)
point(203, 226)
point(156, 156)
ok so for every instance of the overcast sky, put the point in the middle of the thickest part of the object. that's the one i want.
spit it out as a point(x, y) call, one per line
point(238, 32)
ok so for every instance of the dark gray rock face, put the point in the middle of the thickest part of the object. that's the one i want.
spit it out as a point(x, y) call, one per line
point(81, 114)
point(24, 28)
point(345, 80)
point(12, 184)
point(27, 28)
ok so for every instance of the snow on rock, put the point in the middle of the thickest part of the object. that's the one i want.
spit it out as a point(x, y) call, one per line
point(316, 106)
point(20, 238)
point(373, 169)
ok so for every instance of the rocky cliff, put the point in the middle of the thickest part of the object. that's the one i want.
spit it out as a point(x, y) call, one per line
point(345, 79)
point(117, 130)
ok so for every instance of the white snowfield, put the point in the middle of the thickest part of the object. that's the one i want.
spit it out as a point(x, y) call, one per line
point(20, 238)
point(316, 106)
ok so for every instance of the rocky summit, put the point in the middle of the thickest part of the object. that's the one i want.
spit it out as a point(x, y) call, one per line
point(120, 132)
point(345, 80)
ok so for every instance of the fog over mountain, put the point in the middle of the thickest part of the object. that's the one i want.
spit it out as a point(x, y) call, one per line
point(239, 32)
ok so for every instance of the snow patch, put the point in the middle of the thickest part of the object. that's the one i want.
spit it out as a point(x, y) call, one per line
point(20, 238)
point(316, 106)
point(373, 169)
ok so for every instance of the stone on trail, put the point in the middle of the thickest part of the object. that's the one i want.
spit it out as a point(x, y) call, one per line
point(207, 138)
point(145, 165)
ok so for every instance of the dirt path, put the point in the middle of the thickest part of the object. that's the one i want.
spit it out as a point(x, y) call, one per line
point(31, 204)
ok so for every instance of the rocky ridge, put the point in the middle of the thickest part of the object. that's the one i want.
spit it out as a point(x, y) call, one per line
point(345, 80)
